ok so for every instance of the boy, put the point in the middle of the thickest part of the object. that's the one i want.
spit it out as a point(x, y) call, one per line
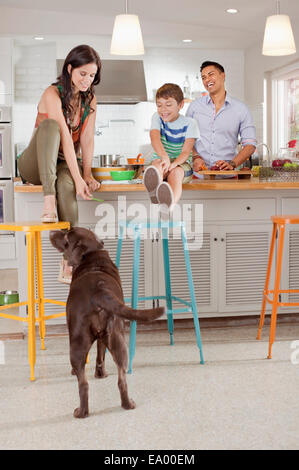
point(172, 137)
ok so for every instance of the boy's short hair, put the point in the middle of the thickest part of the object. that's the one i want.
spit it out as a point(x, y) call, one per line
point(207, 63)
point(170, 90)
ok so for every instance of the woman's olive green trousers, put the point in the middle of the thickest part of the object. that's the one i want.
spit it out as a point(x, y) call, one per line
point(39, 164)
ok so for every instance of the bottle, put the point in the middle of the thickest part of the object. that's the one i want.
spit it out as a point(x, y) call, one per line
point(187, 88)
point(196, 93)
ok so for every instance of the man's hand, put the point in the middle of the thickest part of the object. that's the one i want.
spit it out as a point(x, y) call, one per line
point(199, 164)
point(224, 165)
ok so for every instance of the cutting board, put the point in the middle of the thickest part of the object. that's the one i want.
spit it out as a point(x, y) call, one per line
point(209, 174)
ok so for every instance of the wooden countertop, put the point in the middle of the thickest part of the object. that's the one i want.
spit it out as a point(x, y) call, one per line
point(195, 185)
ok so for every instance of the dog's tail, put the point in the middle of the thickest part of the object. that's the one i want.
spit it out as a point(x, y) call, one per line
point(112, 304)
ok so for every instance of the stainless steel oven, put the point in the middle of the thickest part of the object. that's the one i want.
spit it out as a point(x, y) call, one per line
point(6, 201)
point(6, 153)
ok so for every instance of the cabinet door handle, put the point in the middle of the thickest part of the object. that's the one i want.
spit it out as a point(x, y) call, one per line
point(248, 208)
point(223, 239)
point(215, 239)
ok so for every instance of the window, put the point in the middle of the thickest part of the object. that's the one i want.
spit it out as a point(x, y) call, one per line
point(285, 107)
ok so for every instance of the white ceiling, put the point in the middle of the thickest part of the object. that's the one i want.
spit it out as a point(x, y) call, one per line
point(164, 22)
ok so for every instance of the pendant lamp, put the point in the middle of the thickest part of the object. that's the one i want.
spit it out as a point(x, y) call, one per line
point(127, 36)
point(278, 37)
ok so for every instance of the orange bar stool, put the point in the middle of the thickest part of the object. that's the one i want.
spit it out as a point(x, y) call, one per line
point(34, 273)
point(279, 223)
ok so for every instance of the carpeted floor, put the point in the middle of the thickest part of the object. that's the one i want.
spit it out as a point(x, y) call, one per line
point(237, 400)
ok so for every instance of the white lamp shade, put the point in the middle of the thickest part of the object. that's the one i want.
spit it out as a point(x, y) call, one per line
point(127, 36)
point(278, 37)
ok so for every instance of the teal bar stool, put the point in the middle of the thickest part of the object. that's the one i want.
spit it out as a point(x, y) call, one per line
point(164, 226)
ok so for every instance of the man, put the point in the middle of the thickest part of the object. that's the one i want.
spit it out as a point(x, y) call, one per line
point(221, 120)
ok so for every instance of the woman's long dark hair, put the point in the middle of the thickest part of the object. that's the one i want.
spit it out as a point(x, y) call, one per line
point(80, 55)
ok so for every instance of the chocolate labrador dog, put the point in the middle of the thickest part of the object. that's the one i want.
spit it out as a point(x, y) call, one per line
point(95, 310)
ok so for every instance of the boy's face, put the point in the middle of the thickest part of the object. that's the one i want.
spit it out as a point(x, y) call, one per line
point(168, 108)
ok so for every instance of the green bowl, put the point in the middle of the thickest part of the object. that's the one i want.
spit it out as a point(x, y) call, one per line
point(9, 297)
point(122, 175)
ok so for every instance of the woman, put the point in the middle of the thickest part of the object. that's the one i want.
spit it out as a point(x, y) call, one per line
point(60, 152)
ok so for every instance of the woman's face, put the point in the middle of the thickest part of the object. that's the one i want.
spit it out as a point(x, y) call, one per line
point(82, 77)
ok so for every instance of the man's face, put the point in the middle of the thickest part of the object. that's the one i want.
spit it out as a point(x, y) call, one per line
point(213, 79)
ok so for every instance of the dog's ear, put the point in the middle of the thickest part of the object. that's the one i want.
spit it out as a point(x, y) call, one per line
point(57, 238)
point(79, 249)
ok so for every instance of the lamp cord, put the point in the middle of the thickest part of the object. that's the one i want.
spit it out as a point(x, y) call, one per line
point(277, 7)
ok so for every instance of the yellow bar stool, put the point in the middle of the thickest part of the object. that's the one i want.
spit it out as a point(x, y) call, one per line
point(34, 272)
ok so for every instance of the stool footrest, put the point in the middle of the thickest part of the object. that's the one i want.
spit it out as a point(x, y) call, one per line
point(55, 315)
point(159, 297)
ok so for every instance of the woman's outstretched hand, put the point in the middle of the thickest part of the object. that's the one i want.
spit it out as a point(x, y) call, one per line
point(82, 190)
point(92, 184)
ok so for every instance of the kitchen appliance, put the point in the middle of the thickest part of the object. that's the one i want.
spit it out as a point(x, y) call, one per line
point(6, 165)
point(122, 81)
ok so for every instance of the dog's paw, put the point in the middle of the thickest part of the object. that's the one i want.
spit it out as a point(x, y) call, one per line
point(78, 413)
point(99, 373)
point(129, 404)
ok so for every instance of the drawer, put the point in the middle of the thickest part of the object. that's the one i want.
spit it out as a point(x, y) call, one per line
point(239, 209)
point(290, 206)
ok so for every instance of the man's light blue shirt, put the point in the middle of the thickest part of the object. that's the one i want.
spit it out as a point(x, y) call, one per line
point(219, 132)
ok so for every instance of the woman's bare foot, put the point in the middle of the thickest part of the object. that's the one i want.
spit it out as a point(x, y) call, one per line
point(65, 272)
point(49, 211)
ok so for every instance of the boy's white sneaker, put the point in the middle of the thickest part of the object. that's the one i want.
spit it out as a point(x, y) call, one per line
point(165, 194)
point(151, 181)
point(166, 200)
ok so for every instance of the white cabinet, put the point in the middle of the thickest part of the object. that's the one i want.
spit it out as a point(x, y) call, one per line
point(243, 258)
point(228, 271)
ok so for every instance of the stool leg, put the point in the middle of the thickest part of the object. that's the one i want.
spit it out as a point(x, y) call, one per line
point(192, 295)
point(31, 303)
point(266, 288)
point(167, 282)
point(40, 288)
point(134, 300)
point(119, 245)
point(276, 288)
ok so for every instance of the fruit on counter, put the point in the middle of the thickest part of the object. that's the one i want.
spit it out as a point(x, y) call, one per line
point(286, 160)
point(215, 168)
point(277, 163)
point(291, 165)
point(256, 170)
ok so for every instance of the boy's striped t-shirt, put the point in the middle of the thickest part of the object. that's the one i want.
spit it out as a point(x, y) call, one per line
point(173, 134)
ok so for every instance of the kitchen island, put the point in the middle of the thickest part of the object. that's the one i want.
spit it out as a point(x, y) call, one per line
point(229, 268)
